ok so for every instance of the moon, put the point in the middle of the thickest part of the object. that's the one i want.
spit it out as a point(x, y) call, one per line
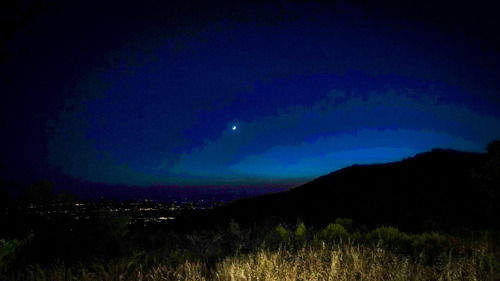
point(233, 128)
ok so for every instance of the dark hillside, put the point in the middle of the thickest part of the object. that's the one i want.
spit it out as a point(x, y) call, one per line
point(433, 190)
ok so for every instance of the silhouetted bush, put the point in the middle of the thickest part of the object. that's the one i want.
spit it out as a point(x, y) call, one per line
point(334, 233)
point(346, 223)
point(106, 238)
point(300, 234)
point(7, 252)
point(390, 238)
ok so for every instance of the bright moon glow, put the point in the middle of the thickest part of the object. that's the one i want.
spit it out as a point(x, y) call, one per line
point(234, 128)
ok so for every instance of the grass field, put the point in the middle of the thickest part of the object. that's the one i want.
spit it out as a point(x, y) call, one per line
point(343, 262)
point(282, 254)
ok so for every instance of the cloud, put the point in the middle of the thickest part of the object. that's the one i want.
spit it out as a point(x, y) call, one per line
point(75, 154)
point(309, 160)
point(340, 130)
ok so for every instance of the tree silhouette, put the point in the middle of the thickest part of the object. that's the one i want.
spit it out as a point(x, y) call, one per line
point(41, 192)
point(487, 180)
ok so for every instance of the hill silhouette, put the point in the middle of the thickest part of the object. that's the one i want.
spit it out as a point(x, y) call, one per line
point(440, 189)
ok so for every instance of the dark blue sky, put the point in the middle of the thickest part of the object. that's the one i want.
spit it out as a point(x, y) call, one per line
point(147, 93)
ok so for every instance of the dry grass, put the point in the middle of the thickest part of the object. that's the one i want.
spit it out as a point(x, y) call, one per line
point(339, 263)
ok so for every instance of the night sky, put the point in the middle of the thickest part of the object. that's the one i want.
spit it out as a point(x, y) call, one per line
point(238, 93)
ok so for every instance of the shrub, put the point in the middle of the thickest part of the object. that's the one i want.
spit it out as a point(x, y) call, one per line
point(7, 250)
point(390, 238)
point(334, 232)
point(430, 246)
point(283, 234)
point(301, 233)
point(346, 223)
point(276, 238)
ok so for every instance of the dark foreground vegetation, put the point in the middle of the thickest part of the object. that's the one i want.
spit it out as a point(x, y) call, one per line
point(284, 252)
point(431, 217)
